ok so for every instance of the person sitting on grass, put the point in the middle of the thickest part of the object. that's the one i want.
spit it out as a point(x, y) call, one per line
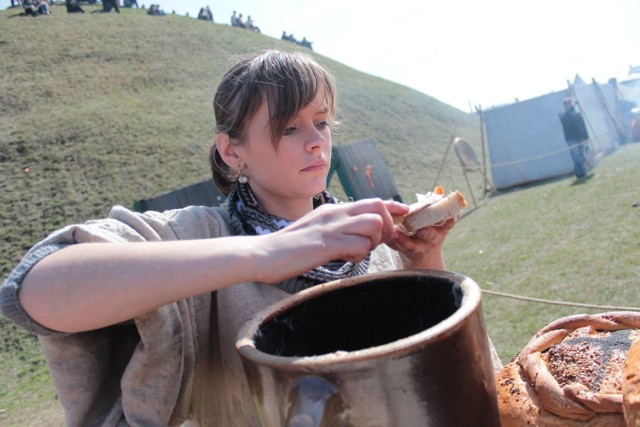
point(250, 26)
point(73, 6)
point(108, 5)
point(30, 8)
point(43, 7)
point(155, 10)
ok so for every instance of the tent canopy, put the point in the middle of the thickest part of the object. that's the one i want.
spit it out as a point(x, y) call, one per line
point(203, 193)
point(362, 171)
point(526, 141)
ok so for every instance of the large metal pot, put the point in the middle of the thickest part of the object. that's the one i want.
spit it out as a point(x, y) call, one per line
point(404, 348)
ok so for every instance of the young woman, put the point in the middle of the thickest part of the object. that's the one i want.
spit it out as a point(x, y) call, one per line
point(125, 307)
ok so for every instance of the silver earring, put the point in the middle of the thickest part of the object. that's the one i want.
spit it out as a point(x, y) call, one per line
point(242, 178)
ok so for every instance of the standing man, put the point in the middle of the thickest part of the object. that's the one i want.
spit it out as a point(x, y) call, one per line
point(575, 134)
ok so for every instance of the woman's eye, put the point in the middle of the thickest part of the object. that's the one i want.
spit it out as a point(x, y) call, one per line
point(323, 124)
point(288, 131)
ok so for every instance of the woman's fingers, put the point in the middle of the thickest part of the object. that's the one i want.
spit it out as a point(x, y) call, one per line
point(385, 210)
point(352, 229)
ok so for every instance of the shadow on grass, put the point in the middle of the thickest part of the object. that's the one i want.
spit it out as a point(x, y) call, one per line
point(583, 180)
point(27, 15)
point(526, 186)
point(529, 185)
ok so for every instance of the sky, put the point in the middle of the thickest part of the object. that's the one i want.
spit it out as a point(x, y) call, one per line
point(466, 53)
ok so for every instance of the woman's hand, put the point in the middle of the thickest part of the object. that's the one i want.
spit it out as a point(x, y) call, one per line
point(424, 249)
point(331, 232)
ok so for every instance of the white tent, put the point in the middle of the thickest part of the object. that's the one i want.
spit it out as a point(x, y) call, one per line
point(525, 139)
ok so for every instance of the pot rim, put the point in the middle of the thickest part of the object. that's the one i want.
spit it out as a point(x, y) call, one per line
point(245, 344)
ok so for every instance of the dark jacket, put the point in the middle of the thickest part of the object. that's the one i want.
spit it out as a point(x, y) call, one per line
point(573, 126)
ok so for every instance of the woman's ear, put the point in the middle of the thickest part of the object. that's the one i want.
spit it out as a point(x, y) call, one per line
point(228, 151)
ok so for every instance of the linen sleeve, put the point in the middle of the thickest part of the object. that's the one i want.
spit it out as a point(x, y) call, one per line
point(122, 225)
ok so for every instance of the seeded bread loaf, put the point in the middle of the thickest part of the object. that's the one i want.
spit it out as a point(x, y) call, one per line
point(570, 373)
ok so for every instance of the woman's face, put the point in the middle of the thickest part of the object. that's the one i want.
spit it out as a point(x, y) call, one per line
point(286, 177)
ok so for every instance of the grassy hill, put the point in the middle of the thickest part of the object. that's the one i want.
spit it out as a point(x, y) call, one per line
point(106, 109)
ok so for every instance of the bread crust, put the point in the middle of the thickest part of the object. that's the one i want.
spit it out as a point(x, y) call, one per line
point(631, 385)
point(529, 394)
point(520, 406)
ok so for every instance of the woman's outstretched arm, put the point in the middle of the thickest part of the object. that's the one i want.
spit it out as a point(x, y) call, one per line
point(93, 285)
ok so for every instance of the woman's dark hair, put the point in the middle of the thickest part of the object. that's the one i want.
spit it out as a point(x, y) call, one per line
point(286, 81)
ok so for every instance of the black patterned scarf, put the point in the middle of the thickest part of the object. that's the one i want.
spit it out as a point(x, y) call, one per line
point(248, 218)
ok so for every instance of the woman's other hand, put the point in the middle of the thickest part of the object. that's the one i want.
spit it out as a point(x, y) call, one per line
point(423, 249)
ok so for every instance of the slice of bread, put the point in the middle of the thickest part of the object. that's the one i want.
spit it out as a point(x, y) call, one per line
point(433, 208)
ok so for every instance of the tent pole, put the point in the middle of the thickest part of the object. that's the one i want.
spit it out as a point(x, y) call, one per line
point(620, 130)
point(586, 119)
point(484, 157)
point(446, 153)
point(470, 189)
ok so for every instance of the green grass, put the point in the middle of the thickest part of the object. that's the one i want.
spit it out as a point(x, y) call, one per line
point(107, 109)
point(559, 240)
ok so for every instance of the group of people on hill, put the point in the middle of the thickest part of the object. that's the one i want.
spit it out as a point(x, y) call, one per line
point(290, 38)
point(42, 7)
point(155, 10)
point(205, 14)
point(34, 7)
point(237, 21)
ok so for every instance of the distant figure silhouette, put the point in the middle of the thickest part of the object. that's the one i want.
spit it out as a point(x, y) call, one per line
point(305, 43)
point(43, 7)
point(205, 14)
point(108, 5)
point(289, 37)
point(575, 134)
point(239, 21)
point(155, 10)
point(73, 6)
point(29, 8)
point(249, 25)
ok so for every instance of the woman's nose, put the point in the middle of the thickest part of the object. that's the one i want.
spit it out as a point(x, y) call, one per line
point(315, 139)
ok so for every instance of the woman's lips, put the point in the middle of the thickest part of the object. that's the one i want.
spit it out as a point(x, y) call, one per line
point(316, 165)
